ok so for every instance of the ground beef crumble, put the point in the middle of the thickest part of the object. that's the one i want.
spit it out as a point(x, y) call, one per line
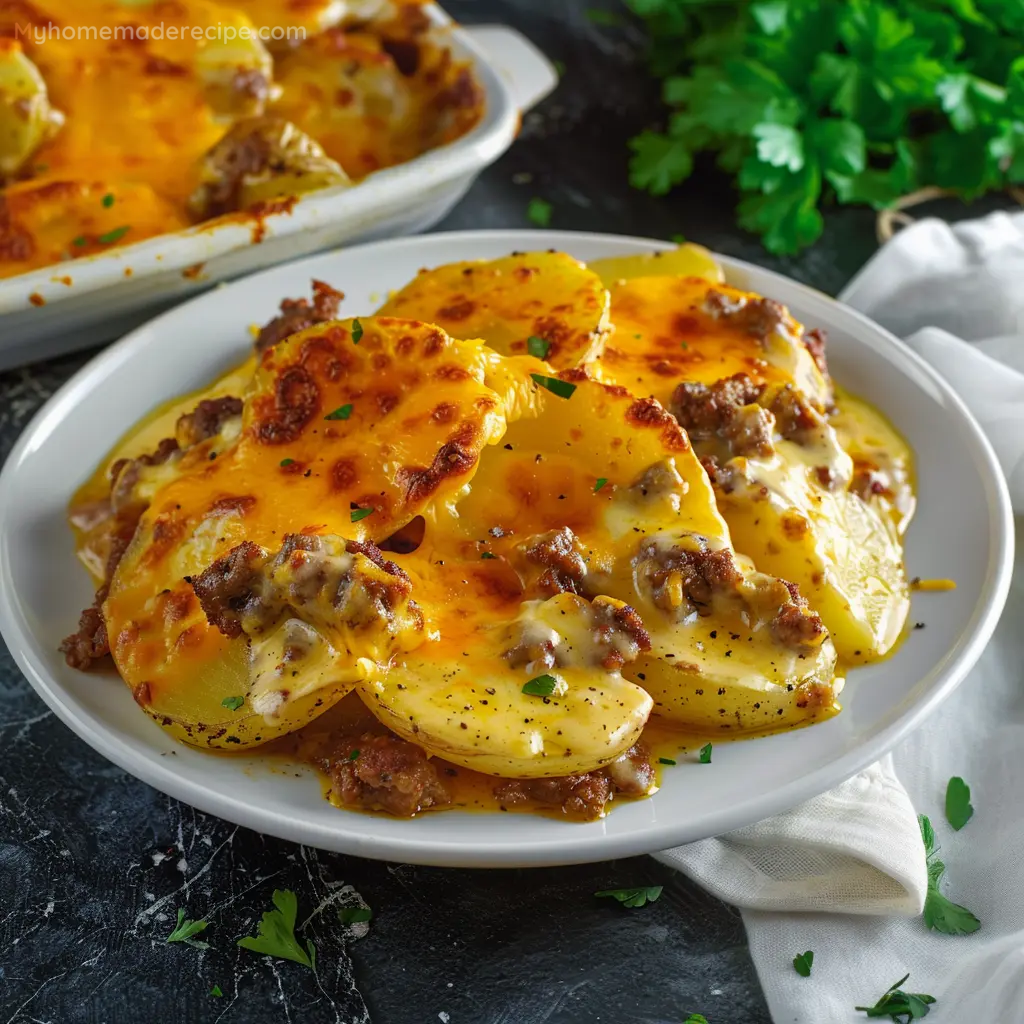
point(384, 773)
point(583, 796)
point(298, 314)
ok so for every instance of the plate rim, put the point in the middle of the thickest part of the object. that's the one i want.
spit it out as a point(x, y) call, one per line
point(575, 843)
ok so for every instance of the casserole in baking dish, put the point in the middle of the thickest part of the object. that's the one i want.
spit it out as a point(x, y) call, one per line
point(150, 149)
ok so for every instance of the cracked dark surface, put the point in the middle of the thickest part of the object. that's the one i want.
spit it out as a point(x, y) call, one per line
point(93, 863)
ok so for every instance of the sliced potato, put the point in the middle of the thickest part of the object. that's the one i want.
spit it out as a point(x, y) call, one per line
point(343, 433)
point(670, 329)
point(562, 503)
point(54, 220)
point(505, 302)
point(747, 684)
point(236, 68)
point(26, 117)
point(841, 552)
point(467, 704)
point(688, 260)
point(287, 163)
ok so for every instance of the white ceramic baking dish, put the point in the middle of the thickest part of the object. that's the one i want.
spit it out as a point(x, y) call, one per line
point(83, 302)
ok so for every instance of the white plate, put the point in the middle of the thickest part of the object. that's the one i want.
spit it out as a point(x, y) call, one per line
point(962, 530)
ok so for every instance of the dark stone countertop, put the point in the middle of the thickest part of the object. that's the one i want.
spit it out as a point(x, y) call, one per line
point(93, 863)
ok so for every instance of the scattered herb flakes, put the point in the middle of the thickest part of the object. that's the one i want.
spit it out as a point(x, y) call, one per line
point(562, 388)
point(696, 1018)
point(286, 462)
point(360, 513)
point(357, 332)
point(80, 241)
point(276, 932)
point(958, 803)
point(185, 929)
point(487, 554)
point(108, 200)
point(538, 211)
point(343, 411)
point(559, 67)
point(353, 915)
point(538, 346)
point(541, 686)
point(354, 756)
point(678, 239)
point(705, 754)
point(114, 236)
point(232, 703)
point(601, 481)
point(899, 1006)
point(632, 897)
point(942, 914)
point(666, 760)
point(215, 991)
point(802, 963)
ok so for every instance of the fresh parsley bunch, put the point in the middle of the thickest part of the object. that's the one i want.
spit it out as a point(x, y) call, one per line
point(860, 101)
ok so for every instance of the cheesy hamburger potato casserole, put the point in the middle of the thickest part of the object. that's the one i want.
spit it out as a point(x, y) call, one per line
point(510, 541)
point(121, 119)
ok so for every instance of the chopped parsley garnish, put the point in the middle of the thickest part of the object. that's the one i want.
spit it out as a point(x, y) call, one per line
point(940, 913)
point(487, 554)
point(802, 963)
point(232, 703)
point(343, 411)
point(276, 932)
point(539, 212)
point(353, 915)
point(666, 760)
point(541, 686)
point(705, 754)
point(185, 929)
point(114, 236)
point(215, 991)
point(538, 346)
point(108, 200)
point(354, 756)
point(601, 481)
point(696, 1018)
point(633, 897)
point(562, 388)
point(357, 332)
point(287, 462)
point(899, 1006)
point(360, 513)
point(678, 239)
point(80, 241)
point(958, 803)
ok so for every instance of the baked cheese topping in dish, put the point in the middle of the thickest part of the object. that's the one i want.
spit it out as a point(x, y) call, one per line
point(121, 120)
point(501, 543)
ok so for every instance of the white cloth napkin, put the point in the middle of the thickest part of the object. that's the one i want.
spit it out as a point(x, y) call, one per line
point(855, 855)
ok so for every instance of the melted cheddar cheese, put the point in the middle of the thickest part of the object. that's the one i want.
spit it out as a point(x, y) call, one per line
point(179, 112)
point(529, 516)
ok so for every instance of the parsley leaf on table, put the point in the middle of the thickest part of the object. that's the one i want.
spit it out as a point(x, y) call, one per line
point(185, 929)
point(276, 932)
point(636, 897)
point(803, 962)
point(958, 803)
point(940, 913)
point(705, 754)
point(696, 1018)
point(809, 102)
point(899, 1006)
